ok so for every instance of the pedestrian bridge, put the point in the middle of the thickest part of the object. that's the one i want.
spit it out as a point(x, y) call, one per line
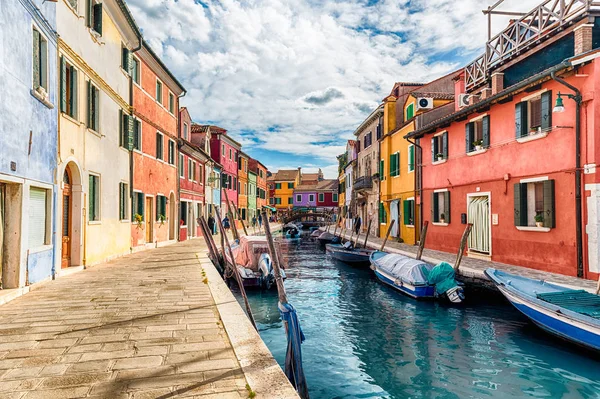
point(309, 218)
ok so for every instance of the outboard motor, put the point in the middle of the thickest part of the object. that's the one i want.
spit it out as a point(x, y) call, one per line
point(347, 245)
point(266, 270)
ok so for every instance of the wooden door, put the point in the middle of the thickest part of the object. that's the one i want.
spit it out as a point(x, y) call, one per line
point(148, 218)
point(66, 220)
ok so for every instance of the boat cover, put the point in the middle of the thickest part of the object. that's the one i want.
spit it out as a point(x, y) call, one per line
point(579, 301)
point(408, 270)
point(442, 276)
point(249, 250)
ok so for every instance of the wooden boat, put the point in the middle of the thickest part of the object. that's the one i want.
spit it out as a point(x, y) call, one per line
point(326, 238)
point(416, 278)
point(573, 315)
point(347, 254)
point(254, 262)
point(292, 233)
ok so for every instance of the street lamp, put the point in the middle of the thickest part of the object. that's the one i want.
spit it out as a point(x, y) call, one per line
point(559, 106)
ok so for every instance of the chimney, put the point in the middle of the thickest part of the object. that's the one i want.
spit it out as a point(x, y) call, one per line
point(459, 88)
point(389, 112)
point(299, 175)
point(497, 82)
point(485, 93)
point(583, 38)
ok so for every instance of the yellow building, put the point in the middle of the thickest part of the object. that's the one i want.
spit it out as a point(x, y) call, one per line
point(281, 185)
point(405, 109)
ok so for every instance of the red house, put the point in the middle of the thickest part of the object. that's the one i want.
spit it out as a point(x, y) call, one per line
point(511, 159)
point(327, 194)
point(225, 151)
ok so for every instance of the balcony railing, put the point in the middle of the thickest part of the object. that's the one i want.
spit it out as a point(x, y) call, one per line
point(363, 183)
point(546, 19)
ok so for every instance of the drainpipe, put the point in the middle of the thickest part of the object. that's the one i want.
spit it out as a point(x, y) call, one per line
point(418, 172)
point(578, 208)
point(176, 221)
point(135, 50)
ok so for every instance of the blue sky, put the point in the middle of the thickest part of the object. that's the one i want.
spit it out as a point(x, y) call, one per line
point(291, 80)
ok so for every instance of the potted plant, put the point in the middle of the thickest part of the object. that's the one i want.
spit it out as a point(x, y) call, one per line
point(138, 219)
point(539, 220)
point(478, 145)
point(439, 156)
point(161, 219)
point(442, 218)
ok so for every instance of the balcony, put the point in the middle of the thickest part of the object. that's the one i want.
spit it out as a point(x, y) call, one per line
point(363, 183)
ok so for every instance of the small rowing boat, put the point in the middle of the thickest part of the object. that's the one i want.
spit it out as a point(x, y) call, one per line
point(345, 253)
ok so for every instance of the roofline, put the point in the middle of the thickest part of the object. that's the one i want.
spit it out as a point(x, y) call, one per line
point(186, 145)
point(224, 134)
point(147, 47)
point(123, 6)
point(369, 119)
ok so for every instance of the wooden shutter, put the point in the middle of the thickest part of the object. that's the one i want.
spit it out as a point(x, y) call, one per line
point(520, 211)
point(96, 92)
point(89, 13)
point(469, 135)
point(406, 212)
point(98, 18)
point(121, 201)
point(136, 135)
point(521, 119)
point(74, 88)
point(435, 217)
point(445, 145)
point(36, 58)
point(89, 104)
point(121, 128)
point(130, 131)
point(485, 126)
point(91, 198)
point(37, 217)
point(447, 206)
point(433, 149)
point(549, 212)
point(411, 158)
point(44, 63)
point(158, 204)
point(547, 110)
point(63, 84)
point(125, 57)
point(381, 170)
point(159, 154)
point(141, 205)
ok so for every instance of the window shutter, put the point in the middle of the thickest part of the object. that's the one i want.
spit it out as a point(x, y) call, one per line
point(136, 134)
point(406, 212)
point(158, 146)
point(90, 95)
point(520, 204)
point(89, 12)
point(485, 126)
point(469, 136)
point(63, 84)
point(433, 152)
point(121, 128)
point(549, 213)
point(381, 170)
point(126, 55)
point(98, 18)
point(91, 201)
point(434, 207)
point(44, 64)
point(37, 217)
point(130, 131)
point(74, 89)
point(547, 110)
point(447, 206)
point(411, 158)
point(445, 145)
point(121, 202)
point(521, 119)
point(36, 58)
point(158, 205)
point(96, 108)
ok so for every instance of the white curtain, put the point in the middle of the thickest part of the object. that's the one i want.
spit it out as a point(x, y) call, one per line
point(479, 240)
point(394, 216)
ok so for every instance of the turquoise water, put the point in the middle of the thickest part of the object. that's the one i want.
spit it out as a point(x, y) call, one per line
point(365, 340)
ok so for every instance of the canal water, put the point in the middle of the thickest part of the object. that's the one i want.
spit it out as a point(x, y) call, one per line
point(365, 340)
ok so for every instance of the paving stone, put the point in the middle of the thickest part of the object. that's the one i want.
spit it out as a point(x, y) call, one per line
point(99, 365)
point(65, 393)
point(21, 373)
point(107, 355)
point(197, 346)
point(57, 343)
point(54, 369)
point(138, 362)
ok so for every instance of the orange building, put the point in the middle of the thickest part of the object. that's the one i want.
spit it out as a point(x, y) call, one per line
point(154, 157)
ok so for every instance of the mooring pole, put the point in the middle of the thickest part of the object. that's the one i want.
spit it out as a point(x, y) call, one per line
point(387, 235)
point(463, 243)
point(211, 252)
point(275, 261)
point(237, 213)
point(422, 242)
point(368, 232)
point(598, 287)
point(236, 272)
point(234, 231)
point(212, 242)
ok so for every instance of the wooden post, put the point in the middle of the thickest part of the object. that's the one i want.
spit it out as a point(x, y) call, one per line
point(275, 262)
point(387, 235)
point(237, 213)
point(212, 242)
point(337, 222)
point(236, 235)
point(207, 238)
point(236, 272)
point(463, 243)
point(368, 232)
point(598, 287)
point(422, 242)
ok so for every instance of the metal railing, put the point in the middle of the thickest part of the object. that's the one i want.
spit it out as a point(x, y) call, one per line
point(363, 183)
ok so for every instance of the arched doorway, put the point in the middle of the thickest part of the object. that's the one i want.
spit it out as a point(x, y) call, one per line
point(66, 219)
point(71, 217)
point(172, 216)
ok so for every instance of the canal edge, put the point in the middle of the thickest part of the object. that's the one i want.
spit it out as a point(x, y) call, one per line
point(262, 372)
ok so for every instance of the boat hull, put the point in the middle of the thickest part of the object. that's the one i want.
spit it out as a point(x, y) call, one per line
point(417, 292)
point(358, 258)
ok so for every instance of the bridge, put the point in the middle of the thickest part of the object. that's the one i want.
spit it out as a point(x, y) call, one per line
point(309, 218)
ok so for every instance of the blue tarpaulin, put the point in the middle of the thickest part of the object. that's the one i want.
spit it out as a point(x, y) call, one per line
point(293, 357)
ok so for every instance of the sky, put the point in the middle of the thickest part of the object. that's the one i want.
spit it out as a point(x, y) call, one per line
point(292, 79)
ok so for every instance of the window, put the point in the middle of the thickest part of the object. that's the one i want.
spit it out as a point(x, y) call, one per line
point(239, 188)
point(126, 127)
point(183, 216)
point(234, 183)
point(290, 185)
point(395, 164)
point(410, 111)
point(40, 63)
point(159, 92)
point(94, 16)
point(367, 139)
point(194, 177)
point(185, 131)
point(290, 200)
point(478, 134)
point(200, 174)
point(230, 154)
point(335, 198)
point(277, 186)
point(137, 135)
point(229, 182)
point(159, 146)
point(411, 158)
point(245, 188)
point(379, 130)
point(94, 198)
point(93, 120)
point(271, 201)
point(190, 170)
point(171, 103)
point(137, 206)
point(382, 214)
point(440, 207)
point(123, 201)
point(311, 198)
point(68, 88)
point(135, 70)
point(439, 147)
point(161, 208)
point(246, 166)
point(534, 115)
point(223, 149)
point(409, 212)
point(243, 213)
point(278, 201)
point(39, 234)
point(382, 170)
point(321, 197)
point(534, 203)
point(298, 198)
point(217, 180)
point(181, 166)
point(171, 152)
point(125, 59)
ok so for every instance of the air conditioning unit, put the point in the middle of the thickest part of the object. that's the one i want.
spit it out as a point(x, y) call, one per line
point(424, 103)
point(463, 100)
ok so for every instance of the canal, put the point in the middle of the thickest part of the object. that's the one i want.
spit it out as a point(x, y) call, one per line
point(365, 340)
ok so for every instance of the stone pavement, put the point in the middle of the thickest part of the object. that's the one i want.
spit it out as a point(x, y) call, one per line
point(472, 268)
point(141, 326)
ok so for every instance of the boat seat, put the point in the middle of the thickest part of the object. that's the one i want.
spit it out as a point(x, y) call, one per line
point(579, 301)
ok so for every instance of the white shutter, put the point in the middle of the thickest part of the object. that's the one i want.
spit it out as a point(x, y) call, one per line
point(37, 217)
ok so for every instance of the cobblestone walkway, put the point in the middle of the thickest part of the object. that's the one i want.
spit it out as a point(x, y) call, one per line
point(142, 326)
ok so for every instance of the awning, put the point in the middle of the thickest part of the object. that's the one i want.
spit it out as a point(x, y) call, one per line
point(270, 208)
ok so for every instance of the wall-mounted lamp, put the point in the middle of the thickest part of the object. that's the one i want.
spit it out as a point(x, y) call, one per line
point(559, 106)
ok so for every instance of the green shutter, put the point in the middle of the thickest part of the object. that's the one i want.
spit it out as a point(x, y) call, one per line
point(434, 208)
point(410, 112)
point(411, 158)
point(63, 84)
point(521, 119)
point(36, 58)
point(469, 136)
point(130, 131)
point(98, 18)
point(158, 207)
point(44, 64)
point(90, 94)
point(382, 170)
point(445, 145)
point(406, 212)
point(121, 202)
point(547, 110)
point(136, 134)
point(549, 212)
point(520, 211)
point(485, 126)
point(96, 92)
point(447, 206)
point(74, 89)
point(121, 128)
point(89, 12)
point(126, 57)
point(91, 198)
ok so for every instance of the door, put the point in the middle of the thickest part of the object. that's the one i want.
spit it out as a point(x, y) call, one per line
point(66, 219)
point(395, 216)
point(191, 220)
point(479, 216)
point(172, 216)
point(149, 219)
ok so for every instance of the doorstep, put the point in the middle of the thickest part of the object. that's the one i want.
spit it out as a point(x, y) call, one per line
point(8, 295)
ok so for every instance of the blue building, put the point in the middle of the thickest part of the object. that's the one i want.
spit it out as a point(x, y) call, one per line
point(28, 141)
point(216, 191)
